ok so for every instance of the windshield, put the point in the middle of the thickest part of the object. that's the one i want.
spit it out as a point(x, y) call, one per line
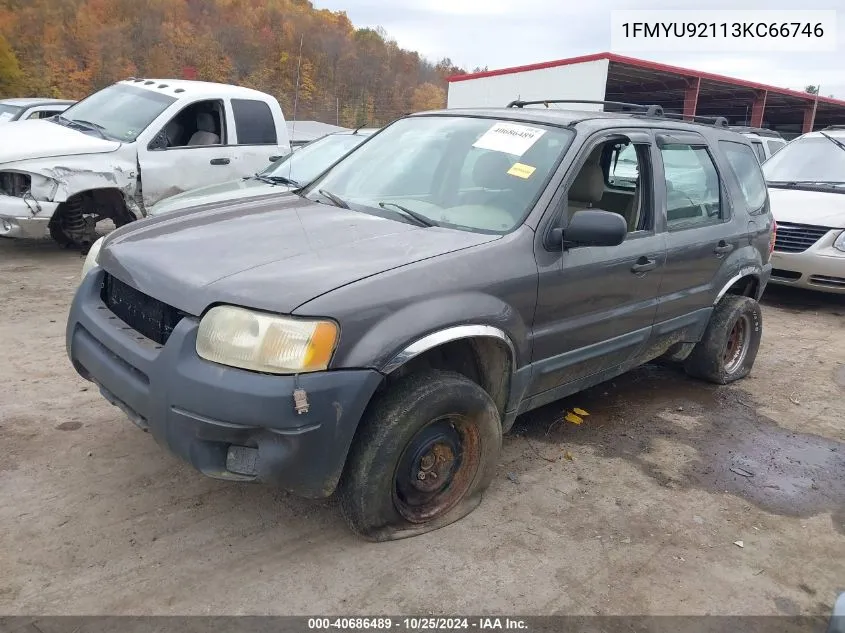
point(8, 112)
point(812, 159)
point(468, 173)
point(304, 165)
point(119, 112)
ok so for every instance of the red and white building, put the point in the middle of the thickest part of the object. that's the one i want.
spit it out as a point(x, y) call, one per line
point(611, 77)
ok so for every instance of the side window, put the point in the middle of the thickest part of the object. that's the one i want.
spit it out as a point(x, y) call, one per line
point(692, 186)
point(747, 171)
point(254, 122)
point(761, 152)
point(605, 183)
point(44, 114)
point(200, 124)
point(774, 146)
point(624, 168)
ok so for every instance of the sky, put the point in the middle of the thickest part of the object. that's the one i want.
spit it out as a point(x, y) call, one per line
point(502, 33)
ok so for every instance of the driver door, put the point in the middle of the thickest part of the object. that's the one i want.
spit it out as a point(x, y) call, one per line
point(190, 150)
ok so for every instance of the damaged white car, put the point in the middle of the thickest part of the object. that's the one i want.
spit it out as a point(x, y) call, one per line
point(119, 151)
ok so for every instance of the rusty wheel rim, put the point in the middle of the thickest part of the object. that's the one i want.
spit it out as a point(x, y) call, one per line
point(737, 345)
point(436, 469)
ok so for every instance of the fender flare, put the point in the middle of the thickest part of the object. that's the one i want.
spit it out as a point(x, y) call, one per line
point(447, 335)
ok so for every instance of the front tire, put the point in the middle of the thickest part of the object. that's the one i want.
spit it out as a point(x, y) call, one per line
point(730, 343)
point(425, 452)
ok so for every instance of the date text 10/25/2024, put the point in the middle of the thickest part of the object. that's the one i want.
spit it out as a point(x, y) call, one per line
point(417, 624)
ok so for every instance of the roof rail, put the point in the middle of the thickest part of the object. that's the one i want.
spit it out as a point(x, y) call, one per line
point(633, 108)
point(760, 131)
point(717, 121)
point(648, 110)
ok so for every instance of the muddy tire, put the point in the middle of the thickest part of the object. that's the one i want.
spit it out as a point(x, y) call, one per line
point(425, 452)
point(730, 343)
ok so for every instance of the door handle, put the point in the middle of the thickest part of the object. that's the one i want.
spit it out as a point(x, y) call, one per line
point(220, 161)
point(723, 248)
point(643, 265)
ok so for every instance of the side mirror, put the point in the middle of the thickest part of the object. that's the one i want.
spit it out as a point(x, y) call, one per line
point(594, 227)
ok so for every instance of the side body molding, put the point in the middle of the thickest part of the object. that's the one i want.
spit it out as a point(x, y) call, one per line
point(440, 337)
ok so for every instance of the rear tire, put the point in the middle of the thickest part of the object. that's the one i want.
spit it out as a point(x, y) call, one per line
point(730, 343)
point(425, 452)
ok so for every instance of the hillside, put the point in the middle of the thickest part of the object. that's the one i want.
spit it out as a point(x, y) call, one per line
point(68, 48)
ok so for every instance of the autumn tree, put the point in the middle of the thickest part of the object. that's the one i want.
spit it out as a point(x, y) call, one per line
point(10, 72)
point(428, 97)
point(69, 48)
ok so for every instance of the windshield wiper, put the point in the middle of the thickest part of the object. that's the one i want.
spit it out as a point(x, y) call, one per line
point(835, 141)
point(339, 202)
point(276, 180)
point(418, 217)
point(91, 126)
point(804, 183)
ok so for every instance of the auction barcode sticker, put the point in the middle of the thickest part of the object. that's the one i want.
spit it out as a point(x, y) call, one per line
point(723, 31)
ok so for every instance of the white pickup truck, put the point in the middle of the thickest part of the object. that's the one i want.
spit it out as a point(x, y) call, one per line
point(122, 149)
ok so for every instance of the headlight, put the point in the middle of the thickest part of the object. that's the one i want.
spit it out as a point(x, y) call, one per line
point(839, 242)
point(92, 257)
point(265, 342)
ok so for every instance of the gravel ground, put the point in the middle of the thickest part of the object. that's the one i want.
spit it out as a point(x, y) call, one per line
point(635, 511)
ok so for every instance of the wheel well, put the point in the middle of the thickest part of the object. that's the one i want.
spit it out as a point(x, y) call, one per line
point(483, 360)
point(745, 287)
point(109, 203)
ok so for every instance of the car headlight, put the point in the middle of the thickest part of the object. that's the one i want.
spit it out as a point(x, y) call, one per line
point(264, 342)
point(92, 258)
point(839, 242)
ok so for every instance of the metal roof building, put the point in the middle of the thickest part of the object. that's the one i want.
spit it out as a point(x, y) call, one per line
point(607, 76)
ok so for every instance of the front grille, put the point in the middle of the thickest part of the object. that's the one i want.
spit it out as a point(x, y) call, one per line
point(149, 317)
point(797, 238)
point(826, 280)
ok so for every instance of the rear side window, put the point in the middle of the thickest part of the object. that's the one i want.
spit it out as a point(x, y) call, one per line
point(693, 191)
point(761, 153)
point(254, 122)
point(747, 170)
point(774, 146)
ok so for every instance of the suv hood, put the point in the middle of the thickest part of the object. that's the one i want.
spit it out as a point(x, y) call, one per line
point(808, 207)
point(234, 190)
point(27, 140)
point(272, 254)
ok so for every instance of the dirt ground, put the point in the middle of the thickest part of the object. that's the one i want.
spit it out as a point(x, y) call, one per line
point(96, 518)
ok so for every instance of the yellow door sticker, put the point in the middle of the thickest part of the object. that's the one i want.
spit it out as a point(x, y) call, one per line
point(521, 171)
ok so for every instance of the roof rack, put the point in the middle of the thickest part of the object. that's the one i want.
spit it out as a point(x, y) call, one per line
point(633, 108)
point(717, 121)
point(648, 110)
point(760, 131)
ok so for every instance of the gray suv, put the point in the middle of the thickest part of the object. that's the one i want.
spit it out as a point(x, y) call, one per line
point(376, 331)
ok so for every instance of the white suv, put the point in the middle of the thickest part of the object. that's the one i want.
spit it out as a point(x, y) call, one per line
point(766, 143)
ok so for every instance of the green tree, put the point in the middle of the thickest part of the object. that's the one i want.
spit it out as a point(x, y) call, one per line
point(11, 76)
point(813, 90)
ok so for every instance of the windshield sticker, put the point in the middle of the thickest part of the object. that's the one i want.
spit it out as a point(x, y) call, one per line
point(6, 116)
point(509, 138)
point(521, 171)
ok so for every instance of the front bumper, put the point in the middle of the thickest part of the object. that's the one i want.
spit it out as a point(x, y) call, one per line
point(25, 218)
point(820, 267)
point(228, 423)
